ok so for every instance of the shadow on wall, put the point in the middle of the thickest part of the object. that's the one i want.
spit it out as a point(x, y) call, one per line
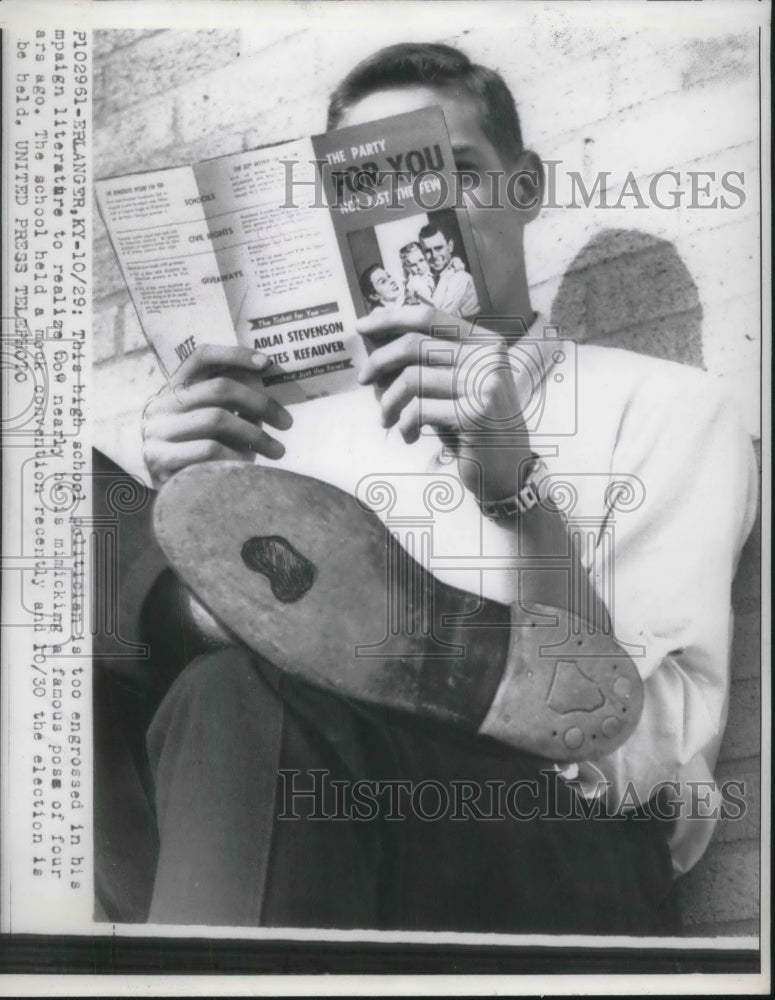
point(631, 290)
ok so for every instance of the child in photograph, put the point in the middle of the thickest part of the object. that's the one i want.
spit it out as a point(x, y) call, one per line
point(419, 283)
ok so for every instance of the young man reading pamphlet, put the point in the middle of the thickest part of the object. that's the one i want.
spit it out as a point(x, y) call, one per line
point(279, 803)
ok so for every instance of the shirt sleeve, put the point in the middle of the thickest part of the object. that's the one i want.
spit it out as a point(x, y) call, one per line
point(469, 303)
point(456, 294)
point(674, 561)
point(674, 557)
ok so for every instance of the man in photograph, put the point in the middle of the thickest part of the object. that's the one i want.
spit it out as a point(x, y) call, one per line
point(232, 724)
point(454, 292)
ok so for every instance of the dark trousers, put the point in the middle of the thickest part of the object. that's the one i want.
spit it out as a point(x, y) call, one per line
point(233, 747)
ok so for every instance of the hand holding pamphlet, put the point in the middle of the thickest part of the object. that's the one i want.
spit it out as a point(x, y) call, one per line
point(281, 249)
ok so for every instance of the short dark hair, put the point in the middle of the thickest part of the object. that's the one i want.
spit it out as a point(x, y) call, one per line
point(431, 229)
point(367, 285)
point(434, 66)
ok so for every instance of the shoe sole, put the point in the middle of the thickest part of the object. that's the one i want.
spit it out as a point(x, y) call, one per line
point(314, 583)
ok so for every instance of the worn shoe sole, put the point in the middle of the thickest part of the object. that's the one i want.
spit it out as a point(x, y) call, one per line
point(311, 581)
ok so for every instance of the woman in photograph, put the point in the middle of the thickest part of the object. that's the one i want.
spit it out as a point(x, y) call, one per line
point(380, 288)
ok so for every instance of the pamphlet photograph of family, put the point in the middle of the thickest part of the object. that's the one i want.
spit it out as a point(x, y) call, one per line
point(414, 261)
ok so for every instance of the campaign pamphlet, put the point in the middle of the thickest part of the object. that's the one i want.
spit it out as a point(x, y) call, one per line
point(282, 248)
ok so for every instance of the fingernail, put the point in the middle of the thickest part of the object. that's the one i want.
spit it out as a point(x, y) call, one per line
point(285, 420)
point(261, 360)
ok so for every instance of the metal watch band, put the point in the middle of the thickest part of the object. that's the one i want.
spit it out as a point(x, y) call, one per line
point(520, 503)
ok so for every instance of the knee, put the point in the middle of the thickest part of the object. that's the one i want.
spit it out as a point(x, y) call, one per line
point(218, 676)
point(216, 691)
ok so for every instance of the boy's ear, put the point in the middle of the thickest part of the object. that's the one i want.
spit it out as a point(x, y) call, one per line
point(525, 187)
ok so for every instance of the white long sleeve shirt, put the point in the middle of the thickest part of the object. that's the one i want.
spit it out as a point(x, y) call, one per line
point(662, 557)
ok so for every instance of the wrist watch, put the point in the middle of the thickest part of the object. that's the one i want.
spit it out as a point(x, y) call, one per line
point(522, 501)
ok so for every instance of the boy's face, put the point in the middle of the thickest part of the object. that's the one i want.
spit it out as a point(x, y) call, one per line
point(497, 231)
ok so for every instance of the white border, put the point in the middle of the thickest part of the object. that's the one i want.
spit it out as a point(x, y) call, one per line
point(86, 15)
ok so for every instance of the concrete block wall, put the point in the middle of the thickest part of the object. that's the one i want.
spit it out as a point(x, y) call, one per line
point(621, 97)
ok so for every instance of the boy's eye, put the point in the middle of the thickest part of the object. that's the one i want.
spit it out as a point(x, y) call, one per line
point(468, 177)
